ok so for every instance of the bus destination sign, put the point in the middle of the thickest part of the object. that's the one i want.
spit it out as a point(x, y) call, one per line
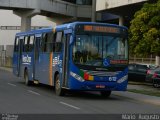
point(105, 29)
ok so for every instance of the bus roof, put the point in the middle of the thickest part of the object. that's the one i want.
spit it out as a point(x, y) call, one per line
point(38, 31)
point(65, 26)
point(72, 25)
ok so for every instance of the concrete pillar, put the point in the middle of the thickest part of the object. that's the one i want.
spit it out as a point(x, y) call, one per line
point(158, 60)
point(26, 16)
point(93, 10)
point(25, 23)
point(121, 21)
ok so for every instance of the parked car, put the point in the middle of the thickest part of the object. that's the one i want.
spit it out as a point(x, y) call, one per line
point(150, 66)
point(137, 72)
point(153, 76)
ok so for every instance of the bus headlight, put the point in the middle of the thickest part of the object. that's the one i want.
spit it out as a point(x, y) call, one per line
point(77, 77)
point(122, 79)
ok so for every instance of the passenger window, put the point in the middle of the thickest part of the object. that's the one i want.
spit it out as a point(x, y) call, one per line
point(25, 45)
point(31, 43)
point(59, 37)
point(142, 68)
point(57, 45)
point(16, 46)
point(131, 67)
point(47, 42)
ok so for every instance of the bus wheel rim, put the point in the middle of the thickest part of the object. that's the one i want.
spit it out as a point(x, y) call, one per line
point(57, 84)
point(26, 79)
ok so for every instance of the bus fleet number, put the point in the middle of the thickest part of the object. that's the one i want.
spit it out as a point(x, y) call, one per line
point(112, 79)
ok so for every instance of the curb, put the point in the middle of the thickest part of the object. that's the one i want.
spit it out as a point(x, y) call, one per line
point(6, 69)
point(140, 97)
point(139, 83)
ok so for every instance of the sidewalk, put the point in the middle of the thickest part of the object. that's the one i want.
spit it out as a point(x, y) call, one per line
point(6, 69)
point(142, 87)
point(141, 97)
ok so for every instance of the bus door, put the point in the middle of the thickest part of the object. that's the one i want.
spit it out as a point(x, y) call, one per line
point(36, 57)
point(18, 55)
point(65, 71)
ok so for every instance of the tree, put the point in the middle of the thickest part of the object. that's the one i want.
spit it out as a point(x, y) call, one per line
point(144, 32)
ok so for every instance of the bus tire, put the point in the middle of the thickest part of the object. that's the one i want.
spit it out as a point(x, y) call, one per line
point(105, 94)
point(26, 78)
point(59, 91)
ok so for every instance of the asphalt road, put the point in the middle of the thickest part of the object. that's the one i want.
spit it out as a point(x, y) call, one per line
point(17, 98)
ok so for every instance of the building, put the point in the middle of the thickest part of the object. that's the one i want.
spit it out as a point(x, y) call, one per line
point(119, 11)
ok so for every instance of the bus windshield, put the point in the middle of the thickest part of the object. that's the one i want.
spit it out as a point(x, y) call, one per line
point(92, 49)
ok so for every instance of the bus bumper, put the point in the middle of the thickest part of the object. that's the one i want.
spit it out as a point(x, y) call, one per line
point(97, 86)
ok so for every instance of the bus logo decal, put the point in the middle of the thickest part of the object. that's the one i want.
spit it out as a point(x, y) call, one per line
point(26, 59)
point(56, 61)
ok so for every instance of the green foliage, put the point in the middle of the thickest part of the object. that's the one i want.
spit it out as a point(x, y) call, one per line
point(144, 37)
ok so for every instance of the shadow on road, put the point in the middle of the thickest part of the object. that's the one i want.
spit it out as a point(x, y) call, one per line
point(87, 95)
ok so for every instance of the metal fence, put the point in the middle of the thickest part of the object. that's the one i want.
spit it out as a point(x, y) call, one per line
point(6, 56)
point(142, 60)
point(5, 61)
point(2, 58)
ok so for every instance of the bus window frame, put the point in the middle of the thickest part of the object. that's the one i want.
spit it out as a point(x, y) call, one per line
point(16, 44)
point(26, 44)
point(45, 43)
point(59, 42)
point(29, 43)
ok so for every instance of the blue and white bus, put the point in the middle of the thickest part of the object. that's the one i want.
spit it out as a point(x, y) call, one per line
point(81, 56)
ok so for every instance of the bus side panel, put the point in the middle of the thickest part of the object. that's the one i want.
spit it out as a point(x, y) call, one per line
point(43, 64)
point(17, 56)
point(57, 65)
point(27, 62)
point(15, 63)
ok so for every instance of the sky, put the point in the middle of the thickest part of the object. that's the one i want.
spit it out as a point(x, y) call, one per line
point(9, 19)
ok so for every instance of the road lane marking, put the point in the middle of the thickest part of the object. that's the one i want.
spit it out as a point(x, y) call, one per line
point(69, 105)
point(12, 84)
point(33, 92)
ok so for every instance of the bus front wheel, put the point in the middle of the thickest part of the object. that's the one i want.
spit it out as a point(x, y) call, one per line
point(105, 93)
point(26, 78)
point(59, 91)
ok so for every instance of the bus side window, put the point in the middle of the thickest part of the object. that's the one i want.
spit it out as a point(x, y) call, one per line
point(57, 45)
point(42, 43)
point(26, 44)
point(47, 42)
point(31, 43)
point(50, 38)
point(16, 45)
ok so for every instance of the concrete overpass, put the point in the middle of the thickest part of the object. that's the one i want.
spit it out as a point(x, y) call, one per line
point(59, 11)
point(114, 10)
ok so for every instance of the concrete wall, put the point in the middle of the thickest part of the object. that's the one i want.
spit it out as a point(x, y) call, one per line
point(9, 50)
point(106, 4)
point(52, 6)
point(1, 47)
